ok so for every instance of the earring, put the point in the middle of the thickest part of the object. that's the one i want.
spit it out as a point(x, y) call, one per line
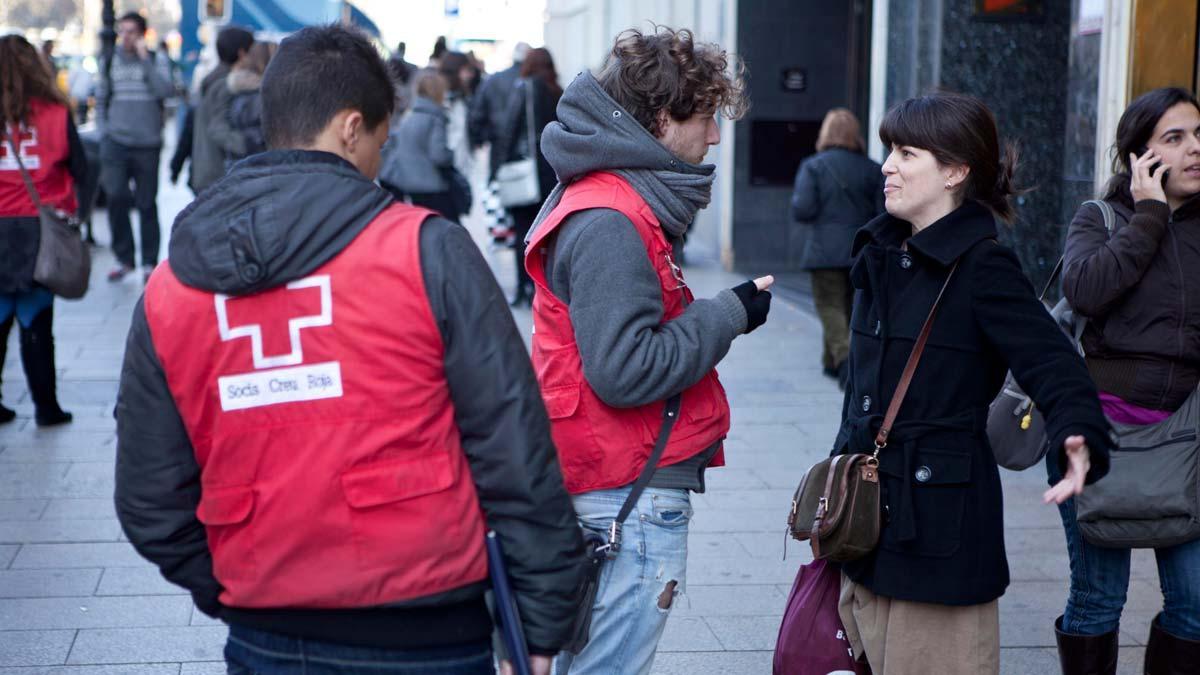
point(949, 186)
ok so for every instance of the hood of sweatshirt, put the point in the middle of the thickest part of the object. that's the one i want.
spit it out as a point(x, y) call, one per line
point(275, 217)
point(594, 133)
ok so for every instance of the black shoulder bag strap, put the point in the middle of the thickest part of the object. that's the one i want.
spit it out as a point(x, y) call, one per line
point(670, 415)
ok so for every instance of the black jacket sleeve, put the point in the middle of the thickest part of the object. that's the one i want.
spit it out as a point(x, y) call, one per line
point(1040, 356)
point(158, 479)
point(183, 145)
point(1099, 268)
point(77, 164)
point(806, 199)
point(505, 433)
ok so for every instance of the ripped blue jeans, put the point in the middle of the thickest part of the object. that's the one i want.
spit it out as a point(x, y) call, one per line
point(638, 588)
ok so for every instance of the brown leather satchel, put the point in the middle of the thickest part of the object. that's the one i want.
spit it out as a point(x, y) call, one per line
point(836, 506)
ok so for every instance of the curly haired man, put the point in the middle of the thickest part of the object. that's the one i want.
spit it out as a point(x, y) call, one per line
point(624, 354)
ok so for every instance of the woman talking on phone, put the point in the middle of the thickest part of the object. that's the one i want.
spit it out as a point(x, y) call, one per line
point(1139, 286)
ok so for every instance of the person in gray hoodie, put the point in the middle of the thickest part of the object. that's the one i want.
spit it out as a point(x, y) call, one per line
point(631, 342)
point(133, 85)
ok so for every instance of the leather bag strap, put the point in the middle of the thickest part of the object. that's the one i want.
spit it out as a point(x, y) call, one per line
point(33, 193)
point(910, 368)
point(670, 415)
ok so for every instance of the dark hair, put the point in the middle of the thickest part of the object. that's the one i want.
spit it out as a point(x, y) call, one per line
point(449, 65)
point(539, 64)
point(23, 77)
point(667, 70)
point(439, 47)
point(316, 73)
point(958, 129)
point(231, 42)
point(136, 18)
point(1134, 130)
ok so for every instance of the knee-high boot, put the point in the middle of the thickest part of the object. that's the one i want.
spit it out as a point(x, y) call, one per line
point(1086, 654)
point(37, 356)
point(6, 414)
point(1168, 654)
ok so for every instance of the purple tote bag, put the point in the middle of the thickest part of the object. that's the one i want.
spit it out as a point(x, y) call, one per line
point(812, 640)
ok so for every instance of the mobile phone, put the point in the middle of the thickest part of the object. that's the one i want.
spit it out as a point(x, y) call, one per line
point(1153, 167)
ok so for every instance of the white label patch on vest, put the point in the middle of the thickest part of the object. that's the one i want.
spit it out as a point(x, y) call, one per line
point(283, 385)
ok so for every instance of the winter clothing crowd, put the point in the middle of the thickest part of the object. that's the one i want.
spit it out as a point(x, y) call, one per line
point(329, 478)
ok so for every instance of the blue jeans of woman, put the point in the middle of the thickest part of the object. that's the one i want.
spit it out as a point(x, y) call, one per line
point(1100, 580)
point(638, 587)
point(255, 652)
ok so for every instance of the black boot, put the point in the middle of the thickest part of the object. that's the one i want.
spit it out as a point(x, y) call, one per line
point(1167, 654)
point(1086, 654)
point(37, 355)
point(6, 414)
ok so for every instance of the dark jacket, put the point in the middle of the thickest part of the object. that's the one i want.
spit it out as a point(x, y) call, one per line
point(836, 192)
point(208, 148)
point(245, 113)
point(943, 531)
point(513, 141)
point(307, 207)
point(485, 120)
point(417, 158)
point(20, 236)
point(1141, 289)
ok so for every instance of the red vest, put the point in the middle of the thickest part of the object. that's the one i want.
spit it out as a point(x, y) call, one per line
point(600, 446)
point(331, 468)
point(44, 151)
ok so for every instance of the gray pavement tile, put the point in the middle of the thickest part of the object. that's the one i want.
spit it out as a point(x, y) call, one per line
point(89, 479)
point(1036, 629)
point(34, 647)
point(64, 437)
point(86, 392)
point(21, 509)
point(750, 600)
point(742, 571)
point(686, 634)
point(738, 520)
point(118, 669)
point(7, 553)
point(97, 508)
point(714, 545)
point(48, 531)
point(81, 451)
point(77, 555)
point(94, 612)
point(724, 500)
point(770, 545)
point(746, 633)
point(1028, 661)
point(148, 645)
point(145, 580)
point(47, 583)
point(1051, 596)
point(203, 668)
point(712, 663)
point(726, 478)
point(1130, 660)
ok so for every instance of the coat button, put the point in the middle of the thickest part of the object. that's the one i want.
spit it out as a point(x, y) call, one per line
point(923, 474)
point(866, 404)
point(905, 261)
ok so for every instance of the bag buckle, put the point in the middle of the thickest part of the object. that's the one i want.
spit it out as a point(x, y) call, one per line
point(676, 273)
point(612, 545)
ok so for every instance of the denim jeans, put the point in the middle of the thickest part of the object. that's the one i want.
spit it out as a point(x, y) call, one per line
point(1100, 580)
point(255, 652)
point(636, 592)
point(119, 164)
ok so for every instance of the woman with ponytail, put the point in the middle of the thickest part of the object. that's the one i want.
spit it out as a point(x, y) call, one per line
point(1139, 286)
point(925, 600)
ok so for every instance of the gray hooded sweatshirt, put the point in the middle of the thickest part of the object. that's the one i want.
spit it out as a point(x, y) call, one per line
point(134, 92)
point(598, 265)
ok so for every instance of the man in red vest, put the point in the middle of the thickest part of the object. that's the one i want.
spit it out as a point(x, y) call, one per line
point(325, 403)
point(624, 354)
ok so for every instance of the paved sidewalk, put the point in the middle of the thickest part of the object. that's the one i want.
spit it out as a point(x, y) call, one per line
point(75, 598)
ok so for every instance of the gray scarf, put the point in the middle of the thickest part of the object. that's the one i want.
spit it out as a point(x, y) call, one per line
point(674, 197)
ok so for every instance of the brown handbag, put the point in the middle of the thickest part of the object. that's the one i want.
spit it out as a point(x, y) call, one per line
point(836, 506)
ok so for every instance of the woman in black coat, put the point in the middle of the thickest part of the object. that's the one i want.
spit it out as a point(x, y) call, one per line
point(929, 591)
point(539, 81)
point(836, 191)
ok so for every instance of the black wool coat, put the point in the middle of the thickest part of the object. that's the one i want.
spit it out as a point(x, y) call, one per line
point(943, 532)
